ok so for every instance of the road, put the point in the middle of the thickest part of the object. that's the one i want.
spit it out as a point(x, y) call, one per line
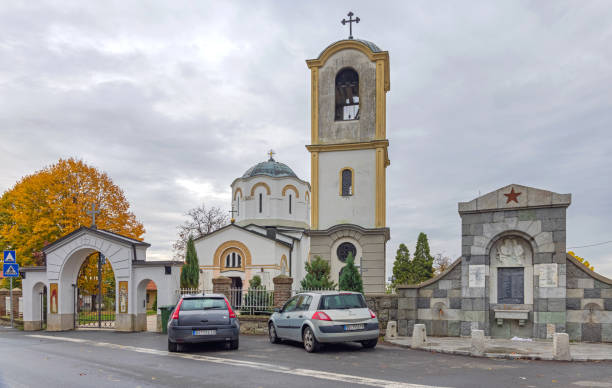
point(109, 359)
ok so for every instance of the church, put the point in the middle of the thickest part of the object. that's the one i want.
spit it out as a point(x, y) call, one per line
point(281, 221)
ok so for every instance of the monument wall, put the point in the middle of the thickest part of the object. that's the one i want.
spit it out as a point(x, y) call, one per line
point(588, 304)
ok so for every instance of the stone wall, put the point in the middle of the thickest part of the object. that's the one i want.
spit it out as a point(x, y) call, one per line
point(250, 324)
point(588, 304)
point(385, 308)
point(3, 307)
point(435, 303)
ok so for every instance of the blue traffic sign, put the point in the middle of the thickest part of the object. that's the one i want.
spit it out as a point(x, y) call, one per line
point(10, 270)
point(10, 257)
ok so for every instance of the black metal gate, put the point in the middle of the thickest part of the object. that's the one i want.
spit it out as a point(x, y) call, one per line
point(43, 308)
point(95, 294)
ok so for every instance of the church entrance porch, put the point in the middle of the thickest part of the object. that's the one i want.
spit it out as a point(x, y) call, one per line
point(236, 292)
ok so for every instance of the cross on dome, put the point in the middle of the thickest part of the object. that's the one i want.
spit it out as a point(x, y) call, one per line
point(271, 153)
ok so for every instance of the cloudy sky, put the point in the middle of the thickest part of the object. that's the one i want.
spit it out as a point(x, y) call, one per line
point(175, 99)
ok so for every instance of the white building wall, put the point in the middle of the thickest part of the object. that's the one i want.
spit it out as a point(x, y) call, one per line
point(265, 253)
point(275, 209)
point(358, 208)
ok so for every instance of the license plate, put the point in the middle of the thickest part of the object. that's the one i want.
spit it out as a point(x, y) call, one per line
point(353, 327)
point(204, 332)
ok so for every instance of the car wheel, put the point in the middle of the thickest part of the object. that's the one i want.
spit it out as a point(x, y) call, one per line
point(233, 345)
point(172, 346)
point(272, 333)
point(369, 343)
point(310, 341)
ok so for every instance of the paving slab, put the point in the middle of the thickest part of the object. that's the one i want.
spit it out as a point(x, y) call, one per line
point(505, 348)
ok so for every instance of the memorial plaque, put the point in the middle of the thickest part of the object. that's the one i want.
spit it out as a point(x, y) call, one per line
point(477, 275)
point(510, 285)
point(548, 275)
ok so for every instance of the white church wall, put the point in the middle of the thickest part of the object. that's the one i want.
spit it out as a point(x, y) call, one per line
point(265, 253)
point(358, 208)
point(275, 206)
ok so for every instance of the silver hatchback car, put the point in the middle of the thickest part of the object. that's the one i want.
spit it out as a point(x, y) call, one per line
point(324, 317)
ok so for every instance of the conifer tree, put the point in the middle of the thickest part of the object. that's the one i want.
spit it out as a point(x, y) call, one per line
point(350, 279)
point(190, 275)
point(422, 263)
point(401, 266)
point(317, 276)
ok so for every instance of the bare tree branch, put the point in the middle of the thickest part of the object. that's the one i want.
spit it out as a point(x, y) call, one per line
point(201, 221)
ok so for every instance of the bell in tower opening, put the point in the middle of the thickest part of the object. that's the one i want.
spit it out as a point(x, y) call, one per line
point(349, 83)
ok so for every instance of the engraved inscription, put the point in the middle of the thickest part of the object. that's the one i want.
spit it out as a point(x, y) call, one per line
point(548, 275)
point(477, 275)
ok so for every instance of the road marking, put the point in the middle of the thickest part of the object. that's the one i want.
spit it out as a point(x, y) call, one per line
point(248, 364)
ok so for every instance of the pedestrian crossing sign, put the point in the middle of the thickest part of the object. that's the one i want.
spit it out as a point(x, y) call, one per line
point(10, 257)
point(10, 270)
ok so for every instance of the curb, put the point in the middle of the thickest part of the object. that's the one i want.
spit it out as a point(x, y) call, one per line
point(506, 356)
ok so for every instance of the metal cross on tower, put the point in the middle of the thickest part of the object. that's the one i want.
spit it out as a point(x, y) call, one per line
point(233, 211)
point(93, 213)
point(350, 22)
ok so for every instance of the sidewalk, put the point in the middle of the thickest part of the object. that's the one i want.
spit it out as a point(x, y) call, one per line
point(504, 348)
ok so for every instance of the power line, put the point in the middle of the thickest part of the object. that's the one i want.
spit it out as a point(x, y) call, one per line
point(592, 245)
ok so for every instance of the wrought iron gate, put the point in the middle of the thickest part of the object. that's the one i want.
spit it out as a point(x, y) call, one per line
point(96, 307)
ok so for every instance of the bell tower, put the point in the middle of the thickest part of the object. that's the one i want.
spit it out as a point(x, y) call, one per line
point(349, 82)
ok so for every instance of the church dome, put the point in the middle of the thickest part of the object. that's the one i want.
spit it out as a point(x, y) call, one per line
point(372, 46)
point(270, 168)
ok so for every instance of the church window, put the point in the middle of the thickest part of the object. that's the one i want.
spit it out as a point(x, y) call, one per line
point(260, 202)
point(346, 182)
point(347, 95)
point(233, 260)
point(344, 249)
point(289, 203)
point(238, 206)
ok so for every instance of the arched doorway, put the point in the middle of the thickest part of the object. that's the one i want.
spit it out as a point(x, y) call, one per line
point(148, 316)
point(38, 307)
point(96, 294)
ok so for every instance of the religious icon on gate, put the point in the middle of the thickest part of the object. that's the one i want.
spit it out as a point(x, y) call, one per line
point(123, 297)
point(53, 292)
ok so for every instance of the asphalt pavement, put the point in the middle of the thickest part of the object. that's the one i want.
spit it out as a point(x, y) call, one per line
point(110, 359)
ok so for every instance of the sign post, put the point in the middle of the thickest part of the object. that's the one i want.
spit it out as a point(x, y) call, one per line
point(10, 269)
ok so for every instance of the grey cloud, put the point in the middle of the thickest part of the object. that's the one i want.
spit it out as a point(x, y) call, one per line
point(482, 95)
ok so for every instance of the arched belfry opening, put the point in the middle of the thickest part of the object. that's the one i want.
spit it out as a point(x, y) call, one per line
point(347, 95)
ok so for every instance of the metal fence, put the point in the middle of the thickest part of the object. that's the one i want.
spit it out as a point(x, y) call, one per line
point(300, 290)
point(252, 301)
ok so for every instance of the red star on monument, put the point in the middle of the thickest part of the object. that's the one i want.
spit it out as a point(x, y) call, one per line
point(512, 196)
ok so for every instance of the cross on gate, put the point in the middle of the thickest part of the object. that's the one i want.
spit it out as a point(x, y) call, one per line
point(350, 21)
point(93, 213)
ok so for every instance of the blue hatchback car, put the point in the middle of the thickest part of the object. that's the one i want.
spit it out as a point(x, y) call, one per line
point(203, 318)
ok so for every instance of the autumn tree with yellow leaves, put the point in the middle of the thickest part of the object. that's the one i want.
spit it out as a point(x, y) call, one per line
point(52, 202)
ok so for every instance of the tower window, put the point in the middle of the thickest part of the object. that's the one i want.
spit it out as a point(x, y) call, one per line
point(289, 203)
point(346, 182)
point(347, 95)
point(260, 202)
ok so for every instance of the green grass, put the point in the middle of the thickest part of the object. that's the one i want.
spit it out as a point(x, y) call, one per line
point(151, 312)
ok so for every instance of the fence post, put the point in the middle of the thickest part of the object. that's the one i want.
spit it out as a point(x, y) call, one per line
point(221, 285)
point(282, 289)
